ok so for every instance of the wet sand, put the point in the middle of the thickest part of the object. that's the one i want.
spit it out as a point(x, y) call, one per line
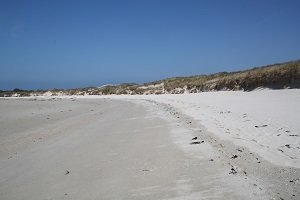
point(54, 148)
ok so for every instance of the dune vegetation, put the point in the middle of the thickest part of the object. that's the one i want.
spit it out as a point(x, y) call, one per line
point(276, 76)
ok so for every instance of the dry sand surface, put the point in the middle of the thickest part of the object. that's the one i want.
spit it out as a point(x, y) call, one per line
point(128, 148)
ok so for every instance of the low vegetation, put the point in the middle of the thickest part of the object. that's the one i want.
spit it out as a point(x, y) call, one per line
point(277, 76)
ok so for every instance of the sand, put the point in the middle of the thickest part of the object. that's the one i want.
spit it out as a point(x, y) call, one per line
point(264, 121)
point(125, 147)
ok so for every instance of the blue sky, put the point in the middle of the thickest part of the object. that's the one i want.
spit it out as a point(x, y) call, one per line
point(69, 43)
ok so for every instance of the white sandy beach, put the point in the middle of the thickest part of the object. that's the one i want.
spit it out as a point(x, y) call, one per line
point(141, 147)
point(266, 121)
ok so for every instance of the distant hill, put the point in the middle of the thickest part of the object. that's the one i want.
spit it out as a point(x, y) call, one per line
point(276, 76)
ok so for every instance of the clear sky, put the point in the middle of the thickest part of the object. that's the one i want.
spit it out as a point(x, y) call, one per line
point(71, 43)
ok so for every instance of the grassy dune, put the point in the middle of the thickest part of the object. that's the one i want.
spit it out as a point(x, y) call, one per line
point(276, 76)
